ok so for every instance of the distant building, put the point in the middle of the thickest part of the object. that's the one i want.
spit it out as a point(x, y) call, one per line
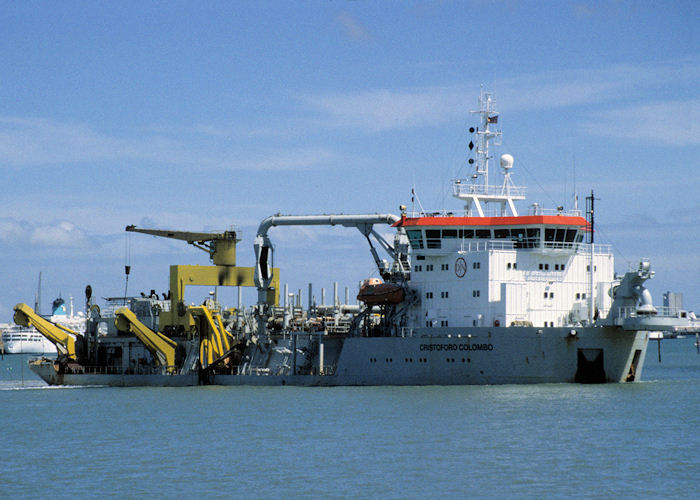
point(673, 300)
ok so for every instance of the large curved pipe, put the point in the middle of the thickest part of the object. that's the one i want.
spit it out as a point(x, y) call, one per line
point(263, 245)
point(325, 220)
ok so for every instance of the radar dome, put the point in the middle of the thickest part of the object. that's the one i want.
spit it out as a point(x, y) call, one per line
point(506, 162)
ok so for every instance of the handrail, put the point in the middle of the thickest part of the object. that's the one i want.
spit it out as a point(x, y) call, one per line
point(477, 189)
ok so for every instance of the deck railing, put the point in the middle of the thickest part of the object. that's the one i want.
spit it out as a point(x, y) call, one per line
point(467, 189)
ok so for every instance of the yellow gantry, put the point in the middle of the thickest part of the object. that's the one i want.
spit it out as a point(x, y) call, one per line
point(160, 346)
point(214, 339)
point(63, 338)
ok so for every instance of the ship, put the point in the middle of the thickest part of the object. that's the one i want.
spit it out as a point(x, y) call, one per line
point(479, 295)
point(25, 340)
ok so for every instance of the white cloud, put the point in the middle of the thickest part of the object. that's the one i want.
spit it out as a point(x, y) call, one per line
point(32, 141)
point(292, 159)
point(674, 123)
point(352, 28)
point(380, 110)
point(11, 231)
point(58, 234)
point(40, 141)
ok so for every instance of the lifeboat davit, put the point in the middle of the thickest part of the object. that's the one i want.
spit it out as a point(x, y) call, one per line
point(375, 293)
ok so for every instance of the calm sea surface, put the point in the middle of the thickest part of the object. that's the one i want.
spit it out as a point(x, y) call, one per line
point(554, 440)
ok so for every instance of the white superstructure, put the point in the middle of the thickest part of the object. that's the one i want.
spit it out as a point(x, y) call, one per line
point(25, 340)
point(498, 268)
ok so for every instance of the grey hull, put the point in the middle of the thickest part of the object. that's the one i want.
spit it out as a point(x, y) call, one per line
point(483, 356)
point(47, 373)
point(447, 356)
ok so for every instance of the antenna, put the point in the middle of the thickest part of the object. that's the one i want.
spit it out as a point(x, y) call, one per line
point(127, 263)
point(415, 195)
point(591, 268)
point(478, 194)
point(37, 297)
point(575, 193)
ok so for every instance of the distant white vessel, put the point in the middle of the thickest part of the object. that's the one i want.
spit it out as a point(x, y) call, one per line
point(27, 340)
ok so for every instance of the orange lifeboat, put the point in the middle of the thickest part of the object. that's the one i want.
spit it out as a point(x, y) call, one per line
point(375, 293)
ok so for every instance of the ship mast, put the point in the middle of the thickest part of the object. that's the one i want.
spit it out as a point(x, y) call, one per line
point(479, 194)
point(591, 214)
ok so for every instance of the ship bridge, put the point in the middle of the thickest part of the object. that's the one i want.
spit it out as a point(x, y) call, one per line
point(544, 233)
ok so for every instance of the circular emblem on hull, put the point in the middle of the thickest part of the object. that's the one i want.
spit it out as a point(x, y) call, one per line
point(460, 267)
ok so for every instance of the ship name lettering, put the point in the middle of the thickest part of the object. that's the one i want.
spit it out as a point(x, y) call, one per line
point(456, 347)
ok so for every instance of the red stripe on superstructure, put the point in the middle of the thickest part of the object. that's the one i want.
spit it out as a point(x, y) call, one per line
point(554, 220)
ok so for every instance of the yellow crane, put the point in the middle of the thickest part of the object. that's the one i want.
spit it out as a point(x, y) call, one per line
point(161, 347)
point(215, 341)
point(66, 340)
point(222, 252)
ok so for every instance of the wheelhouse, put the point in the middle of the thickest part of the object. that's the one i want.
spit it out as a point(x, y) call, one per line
point(544, 233)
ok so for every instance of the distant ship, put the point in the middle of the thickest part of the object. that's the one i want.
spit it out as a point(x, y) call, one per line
point(483, 295)
point(27, 340)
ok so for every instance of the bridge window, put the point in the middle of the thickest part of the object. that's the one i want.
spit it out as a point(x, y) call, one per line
point(432, 237)
point(415, 236)
point(501, 233)
point(483, 234)
point(570, 235)
point(533, 237)
point(518, 236)
point(466, 233)
point(449, 233)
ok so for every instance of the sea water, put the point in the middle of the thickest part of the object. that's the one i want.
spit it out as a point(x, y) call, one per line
point(551, 440)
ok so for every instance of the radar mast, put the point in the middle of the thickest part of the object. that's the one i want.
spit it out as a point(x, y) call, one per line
point(479, 194)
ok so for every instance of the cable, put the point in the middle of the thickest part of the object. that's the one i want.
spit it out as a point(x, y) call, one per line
point(524, 166)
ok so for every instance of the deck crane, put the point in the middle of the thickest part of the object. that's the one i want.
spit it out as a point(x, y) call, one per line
point(161, 347)
point(68, 342)
point(202, 322)
point(220, 246)
point(222, 252)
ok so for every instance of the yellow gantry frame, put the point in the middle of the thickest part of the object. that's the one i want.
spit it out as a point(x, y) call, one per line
point(63, 338)
point(181, 276)
point(162, 348)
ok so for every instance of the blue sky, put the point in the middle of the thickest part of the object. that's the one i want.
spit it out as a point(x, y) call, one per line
point(203, 115)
